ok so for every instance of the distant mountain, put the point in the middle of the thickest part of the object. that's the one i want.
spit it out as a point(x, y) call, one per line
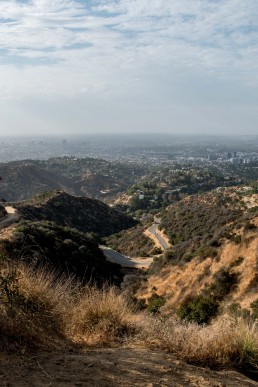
point(81, 177)
point(87, 215)
point(22, 180)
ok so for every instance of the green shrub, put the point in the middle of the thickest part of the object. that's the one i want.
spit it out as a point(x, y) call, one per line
point(237, 239)
point(199, 309)
point(249, 226)
point(155, 302)
point(224, 280)
point(206, 251)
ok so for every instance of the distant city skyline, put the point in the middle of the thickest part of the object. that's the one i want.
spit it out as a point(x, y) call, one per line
point(126, 66)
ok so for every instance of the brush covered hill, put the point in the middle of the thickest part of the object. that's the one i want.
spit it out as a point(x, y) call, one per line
point(92, 177)
point(22, 180)
point(132, 242)
point(95, 178)
point(62, 249)
point(84, 214)
point(214, 258)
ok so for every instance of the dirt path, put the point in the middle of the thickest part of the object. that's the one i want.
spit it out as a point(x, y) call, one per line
point(121, 367)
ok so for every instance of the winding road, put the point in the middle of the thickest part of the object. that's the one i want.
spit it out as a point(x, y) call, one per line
point(137, 262)
point(124, 261)
point(154, 230)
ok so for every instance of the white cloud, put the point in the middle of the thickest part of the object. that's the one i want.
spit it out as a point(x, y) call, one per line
point(126, 49)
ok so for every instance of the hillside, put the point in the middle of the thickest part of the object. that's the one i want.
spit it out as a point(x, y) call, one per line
point(132, 242)
point(95, 178)
point(22, 180)
point(96, 335)
point(65, 250)
point(85, 214)
point(214, 255)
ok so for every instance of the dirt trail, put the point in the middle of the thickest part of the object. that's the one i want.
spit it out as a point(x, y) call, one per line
point(113, 367)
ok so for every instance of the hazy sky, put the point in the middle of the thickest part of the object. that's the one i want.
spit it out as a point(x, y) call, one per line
point(88, 66)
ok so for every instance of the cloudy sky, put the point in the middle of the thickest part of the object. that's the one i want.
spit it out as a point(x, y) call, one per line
point(92, 66)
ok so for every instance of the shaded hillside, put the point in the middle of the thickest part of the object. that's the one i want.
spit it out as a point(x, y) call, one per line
point(87, 215)
point(91, 177)
point(62, 248)
point(95, 178)
point(22, 180)
point(213, 263)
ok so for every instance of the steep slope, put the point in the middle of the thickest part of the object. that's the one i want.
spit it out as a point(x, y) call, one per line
point(87, 215)
point(214, 254)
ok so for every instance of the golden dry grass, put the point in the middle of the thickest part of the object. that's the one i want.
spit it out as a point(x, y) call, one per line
point(39, 310)
point(226, 341)
point(33, 308)
point(102, 316)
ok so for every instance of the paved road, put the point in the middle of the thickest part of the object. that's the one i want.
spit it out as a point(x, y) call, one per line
point(124, 261)
point(154, 231)
point(11, 217)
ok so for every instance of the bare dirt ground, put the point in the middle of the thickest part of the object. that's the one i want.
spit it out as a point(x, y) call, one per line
point(112, 367)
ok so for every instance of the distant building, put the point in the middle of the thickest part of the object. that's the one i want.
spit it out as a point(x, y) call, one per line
point(235, 161)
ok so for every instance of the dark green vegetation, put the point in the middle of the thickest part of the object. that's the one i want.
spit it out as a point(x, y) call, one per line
point(199, 217)
point(87, 215)
point(62, 248)
point(204, 306)
point(155, 302)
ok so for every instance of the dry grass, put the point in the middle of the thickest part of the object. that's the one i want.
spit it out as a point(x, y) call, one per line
point(37, 310)
point(225, 342)
point(33, 309)
point(102, 317)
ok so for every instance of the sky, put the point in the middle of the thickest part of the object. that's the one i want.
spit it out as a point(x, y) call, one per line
point(128, 66)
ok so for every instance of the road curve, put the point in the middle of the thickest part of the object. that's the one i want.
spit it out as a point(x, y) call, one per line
point(124, 261)
point(153, 230)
